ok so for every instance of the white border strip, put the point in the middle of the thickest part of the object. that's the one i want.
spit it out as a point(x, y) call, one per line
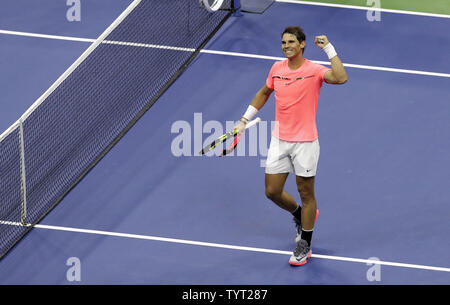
point(146, 45)
point(365, 8)
point(23, 179)
point(225, 246)
point(8, 131)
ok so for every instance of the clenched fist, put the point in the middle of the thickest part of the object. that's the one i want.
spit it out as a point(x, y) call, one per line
point(321, 41)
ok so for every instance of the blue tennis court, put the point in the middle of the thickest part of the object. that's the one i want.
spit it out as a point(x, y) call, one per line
point(152, 212)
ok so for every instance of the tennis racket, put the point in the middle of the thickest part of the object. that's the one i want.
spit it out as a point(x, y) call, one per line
point(223, 138)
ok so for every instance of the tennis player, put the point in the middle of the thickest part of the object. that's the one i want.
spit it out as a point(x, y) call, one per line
point(294, 147)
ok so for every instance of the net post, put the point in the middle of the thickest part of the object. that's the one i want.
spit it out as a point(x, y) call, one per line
point(23, 181)
point(237, 8)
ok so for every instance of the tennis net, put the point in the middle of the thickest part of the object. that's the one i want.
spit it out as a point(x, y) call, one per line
point(93, 104)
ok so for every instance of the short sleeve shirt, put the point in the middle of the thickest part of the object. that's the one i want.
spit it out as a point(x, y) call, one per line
point(296, 96)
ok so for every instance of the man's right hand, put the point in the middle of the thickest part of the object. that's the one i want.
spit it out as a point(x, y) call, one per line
point(240, 127)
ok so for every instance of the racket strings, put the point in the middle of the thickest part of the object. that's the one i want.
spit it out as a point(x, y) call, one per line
point(229, 140)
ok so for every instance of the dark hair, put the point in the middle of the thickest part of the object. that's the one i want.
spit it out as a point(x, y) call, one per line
point(297, 31)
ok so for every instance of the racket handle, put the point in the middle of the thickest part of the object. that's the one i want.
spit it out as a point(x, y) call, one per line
point(253, 122)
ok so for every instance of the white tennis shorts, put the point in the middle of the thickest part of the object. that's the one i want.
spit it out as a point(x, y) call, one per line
point(300, 158)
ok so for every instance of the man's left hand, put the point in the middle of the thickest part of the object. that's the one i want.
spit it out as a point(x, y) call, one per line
point(321, 41)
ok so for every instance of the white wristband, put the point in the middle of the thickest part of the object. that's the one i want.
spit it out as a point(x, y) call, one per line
point(250, 113)
point(329, 49)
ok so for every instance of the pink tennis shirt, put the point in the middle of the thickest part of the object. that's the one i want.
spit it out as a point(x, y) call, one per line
point(296, 98)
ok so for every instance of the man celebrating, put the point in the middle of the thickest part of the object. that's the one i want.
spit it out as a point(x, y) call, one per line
point(294, 146)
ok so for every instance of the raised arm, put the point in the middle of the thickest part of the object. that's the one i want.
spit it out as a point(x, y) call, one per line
point(337, 74)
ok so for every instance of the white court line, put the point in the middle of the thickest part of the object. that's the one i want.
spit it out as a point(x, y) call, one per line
point(236, 54)
point(225, 246)
point(36, 35)
point(378, 68)
point(365, 8)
